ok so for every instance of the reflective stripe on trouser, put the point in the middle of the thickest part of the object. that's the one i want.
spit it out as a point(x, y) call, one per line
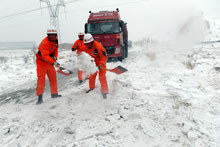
point(44, 68)
point(102, 79)
point(80, 74)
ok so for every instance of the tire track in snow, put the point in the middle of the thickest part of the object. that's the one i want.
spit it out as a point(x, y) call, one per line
point(25, 93)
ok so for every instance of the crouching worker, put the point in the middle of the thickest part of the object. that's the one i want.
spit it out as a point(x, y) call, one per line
point(46, 60)
point(97, 51)
point(79, 47)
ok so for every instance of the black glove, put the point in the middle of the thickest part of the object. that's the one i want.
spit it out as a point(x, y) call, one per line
point(100, 67)
point(73, 49)
point(56, 64)
point(54, 58)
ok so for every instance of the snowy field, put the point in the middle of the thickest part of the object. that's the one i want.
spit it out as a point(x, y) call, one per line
point(16, 67)
point(165, 99)
point(169, 97)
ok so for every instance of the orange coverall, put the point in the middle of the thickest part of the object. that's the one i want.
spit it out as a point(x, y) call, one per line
point(100, 55)
point(79, 46)
point(44, 61)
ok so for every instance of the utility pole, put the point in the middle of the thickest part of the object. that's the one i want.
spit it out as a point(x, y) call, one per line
point(54, 15)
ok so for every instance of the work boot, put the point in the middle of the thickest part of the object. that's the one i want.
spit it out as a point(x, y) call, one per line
point(40, 99)
point(104, 95)
point(55, 95)
point(89, 90)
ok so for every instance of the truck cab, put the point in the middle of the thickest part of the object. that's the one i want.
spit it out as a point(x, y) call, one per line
point(108, 28)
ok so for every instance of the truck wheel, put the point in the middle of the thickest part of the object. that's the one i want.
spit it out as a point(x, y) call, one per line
point(120, 58)
point(122, 55)
point(126, 50)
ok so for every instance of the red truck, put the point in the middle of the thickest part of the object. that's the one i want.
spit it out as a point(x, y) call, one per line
point(108, 28)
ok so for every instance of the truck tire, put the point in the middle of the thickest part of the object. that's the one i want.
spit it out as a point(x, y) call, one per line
point(122, 55)
point(126, 50)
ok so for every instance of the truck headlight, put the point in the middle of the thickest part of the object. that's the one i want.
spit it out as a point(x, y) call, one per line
point(117, 50)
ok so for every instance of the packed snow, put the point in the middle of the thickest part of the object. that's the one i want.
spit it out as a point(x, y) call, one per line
point(169, 97)
point(162, 100)
point(86, 63)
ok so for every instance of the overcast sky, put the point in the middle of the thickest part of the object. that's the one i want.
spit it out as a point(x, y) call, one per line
point(142, 16)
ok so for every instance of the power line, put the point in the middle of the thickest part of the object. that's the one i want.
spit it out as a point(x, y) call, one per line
point(8, 17)
point(29, 11)
point(105, 6)
point(24, 12)
point(37, 9)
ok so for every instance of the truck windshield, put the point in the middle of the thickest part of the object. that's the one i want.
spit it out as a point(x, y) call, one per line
point(103, 28)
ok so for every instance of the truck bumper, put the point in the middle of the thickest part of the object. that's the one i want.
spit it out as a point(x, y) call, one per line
point(111, 52)
point(114, 55)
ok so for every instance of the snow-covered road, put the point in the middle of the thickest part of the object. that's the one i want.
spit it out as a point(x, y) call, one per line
point(165, 99)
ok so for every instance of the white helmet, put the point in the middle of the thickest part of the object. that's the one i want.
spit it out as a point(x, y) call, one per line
point(88, 38)
point(80, 33)
point(51, 30)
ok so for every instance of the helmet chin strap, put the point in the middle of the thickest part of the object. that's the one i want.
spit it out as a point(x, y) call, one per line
point(51, 39)
point(90, 45)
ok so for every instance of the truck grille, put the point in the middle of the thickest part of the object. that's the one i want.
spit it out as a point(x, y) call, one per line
point(110, 50)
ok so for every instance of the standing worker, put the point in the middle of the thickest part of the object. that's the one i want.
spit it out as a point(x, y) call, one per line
point(97, 51)
point(79, 46)
point(46, 60)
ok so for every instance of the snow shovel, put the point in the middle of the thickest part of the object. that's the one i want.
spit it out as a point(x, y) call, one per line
point(118, 70)
point(64, 71)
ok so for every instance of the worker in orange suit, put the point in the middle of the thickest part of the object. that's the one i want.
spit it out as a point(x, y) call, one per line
point(97, 51)
point(79, 47)
point(46, 60)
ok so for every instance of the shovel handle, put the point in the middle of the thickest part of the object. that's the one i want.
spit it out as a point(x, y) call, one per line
point(105, 69)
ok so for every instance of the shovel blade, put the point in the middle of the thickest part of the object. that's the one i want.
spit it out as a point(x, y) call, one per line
point(119, 70)
point(64, 71)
